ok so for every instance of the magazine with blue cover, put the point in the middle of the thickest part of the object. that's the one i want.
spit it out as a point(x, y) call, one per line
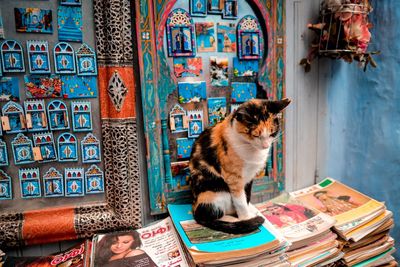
point(202, 239)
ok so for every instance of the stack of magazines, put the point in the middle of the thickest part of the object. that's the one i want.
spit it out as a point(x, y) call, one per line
point(263, 247)
point(308, 230)
point(362, 223)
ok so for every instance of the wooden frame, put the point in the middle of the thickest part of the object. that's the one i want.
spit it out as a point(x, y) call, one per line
point(122, 205)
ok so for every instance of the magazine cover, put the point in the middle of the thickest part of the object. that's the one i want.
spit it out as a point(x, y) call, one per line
point(295, 220)
point(152, 246)
point(77, 256)
point(338, 200)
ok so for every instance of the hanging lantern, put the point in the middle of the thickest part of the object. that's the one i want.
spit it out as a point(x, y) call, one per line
point(343, 33)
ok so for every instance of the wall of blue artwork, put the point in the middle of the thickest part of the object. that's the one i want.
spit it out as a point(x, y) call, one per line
point(362, 123)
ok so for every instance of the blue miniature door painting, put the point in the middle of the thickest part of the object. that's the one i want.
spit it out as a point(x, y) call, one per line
point(67, 146)
point(13, 118)
point(35, 113)
point(58, 115)
point(9, 89)
point(242, 92)
point(216, 109)
point(64, 58)
point(178, 119)
point(74, 182)
point(249, 38)
point(180, 34)
point(38, 57)
point(3, 153)
point(195, 118)
point(5, 186)
point(86, 61)
point(45, 142)
point(94, 180)
point(81, 116)
point(30, 183)
point(12, 56)
point(22, 150)
point(184, 147)
point(74, 86)
point(90, 148)
point(70, 24)
point(230, 10)
point(53, 183)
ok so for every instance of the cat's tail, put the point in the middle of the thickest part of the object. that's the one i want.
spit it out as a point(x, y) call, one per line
point(232, 227)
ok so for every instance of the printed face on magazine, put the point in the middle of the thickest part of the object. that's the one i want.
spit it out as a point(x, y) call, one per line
point(122, 244)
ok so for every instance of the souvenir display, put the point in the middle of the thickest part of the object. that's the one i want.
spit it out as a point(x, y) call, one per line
point(205, 37)
point(216, 109)
point(90, 149)
point(178, 119)
point(5, 186)
point(38, 57)
point(249, 38)
point(180, 34)
point(13, 120)
point(81, 116)
point(117, 91)
point(67, 147)
point(230, 10)
point(29, 180)
point(35, 114)
point(184, 147)
point(195, 118)
point(74, 184)
point(191, 91)
point(242, 92)
point(45, 142)
point(243, 68)
point(86, 61)
point(3, 153)
point(22, 149)
point(226, 36)
point(71, 2)
point(42, 86)
point(180, 175)
point(69, 24)
point(58, 115)
point(12, 56)
point(64, 58)
point(53, 184)
point(188, 66)
point(33, 20)
point(94, 180)
point(219, 71)
point(198, 8)
point(9, 89)
point(74, 86)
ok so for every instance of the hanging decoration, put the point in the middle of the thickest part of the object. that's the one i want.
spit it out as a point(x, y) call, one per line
point(30, 183)
point(342, 33)
point(81, 116)
point(249, 38)
point(35, 114)
point(5, 186)
point(90, 148)
point(117, 90)
point(86, 61)
point(58, 115)
point(13, 119)
point(67, 147)
point(94, 180)
point(180, 34)
point(45, 142)
point(22, 149)
point(64, 58)
point(12, 56)
point(53, 183)
point(74, 185)
point(3, 153)
point(38, 56)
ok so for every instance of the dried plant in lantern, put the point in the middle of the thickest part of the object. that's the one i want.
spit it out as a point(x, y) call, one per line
point(342, 33)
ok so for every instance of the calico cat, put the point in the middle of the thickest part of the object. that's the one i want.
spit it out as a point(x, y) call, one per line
point(224, 161)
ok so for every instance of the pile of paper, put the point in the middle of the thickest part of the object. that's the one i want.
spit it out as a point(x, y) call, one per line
point(362, 223)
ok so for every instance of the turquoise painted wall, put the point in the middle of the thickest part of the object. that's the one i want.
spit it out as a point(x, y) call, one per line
point(363, 116)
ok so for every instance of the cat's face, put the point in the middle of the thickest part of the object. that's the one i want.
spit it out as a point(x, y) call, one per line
point(257, 121)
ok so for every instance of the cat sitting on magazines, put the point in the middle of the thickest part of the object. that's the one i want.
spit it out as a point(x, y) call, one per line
point(224, 161)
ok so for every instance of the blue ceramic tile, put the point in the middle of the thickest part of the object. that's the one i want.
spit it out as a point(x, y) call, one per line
point(94, 180)
point(74, 182)
point(67, 147)
point(53, 183)
point(30, 183)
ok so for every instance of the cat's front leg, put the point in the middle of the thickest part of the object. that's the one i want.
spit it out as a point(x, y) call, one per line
point(242, 208)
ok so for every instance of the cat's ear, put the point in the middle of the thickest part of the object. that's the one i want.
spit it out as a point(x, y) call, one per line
point(277, 106)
